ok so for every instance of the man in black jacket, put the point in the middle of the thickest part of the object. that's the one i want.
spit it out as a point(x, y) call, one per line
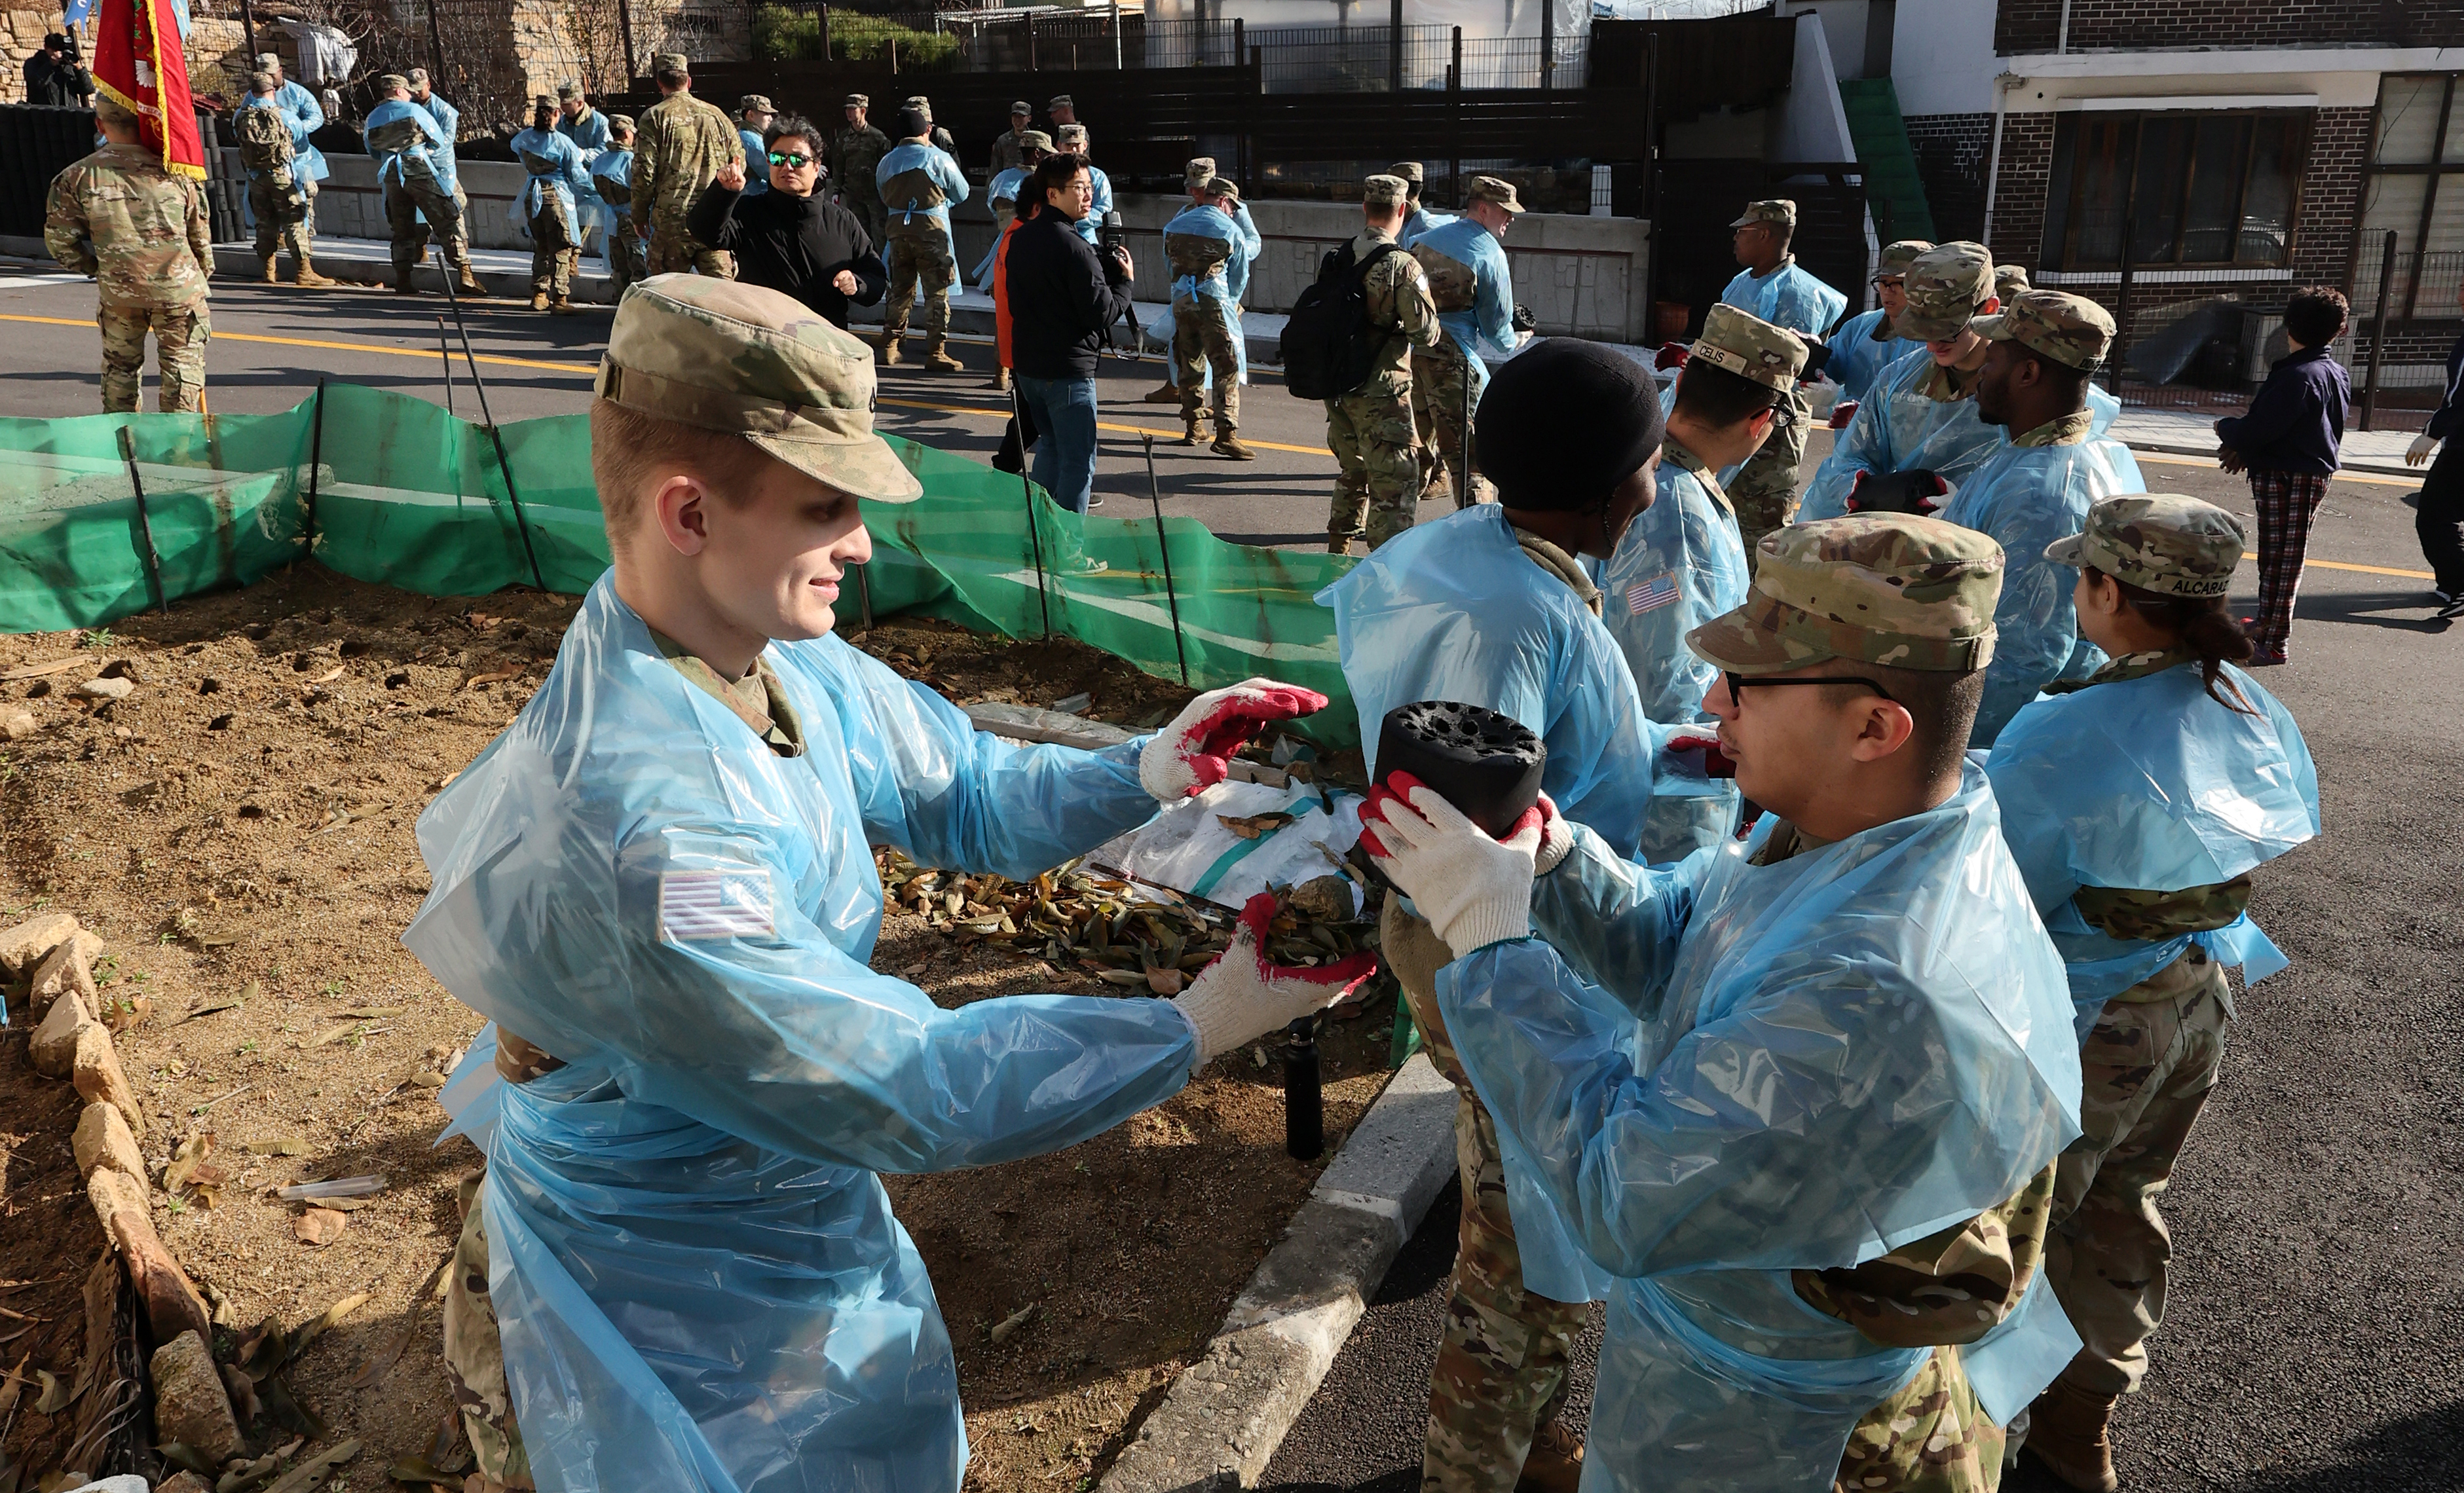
point(1062, 295)
point(789, 238)
point(55, 77)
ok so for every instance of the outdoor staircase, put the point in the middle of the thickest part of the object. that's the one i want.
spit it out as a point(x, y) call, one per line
point(1894, 194)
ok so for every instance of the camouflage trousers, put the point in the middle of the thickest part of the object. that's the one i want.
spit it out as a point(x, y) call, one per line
point(675, 251)
point(281, 222)
point(180, 337)
point(405, 203)
point(625, 260)
point(556, 252)
point(918, 261)
point(1930, 1437)
point(1203, 337)
point(1763, 490)
point(1501, 1372)
point(1441, 406)
point(2147, 1066)
point(1379, 481)
point(475, 1355)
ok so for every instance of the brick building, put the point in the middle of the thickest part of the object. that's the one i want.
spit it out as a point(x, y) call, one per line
point(2251, 146)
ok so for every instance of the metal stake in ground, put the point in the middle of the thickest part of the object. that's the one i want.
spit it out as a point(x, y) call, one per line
point(315, 467)
point(1463, 448)
point(1304, 1096)
point(145, 521)
point(445, 351)
point(479, 387)
point(1027, 491)
point(1163, 546)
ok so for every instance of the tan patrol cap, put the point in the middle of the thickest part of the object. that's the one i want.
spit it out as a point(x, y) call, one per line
point(267, 61)
point(736, 359)
point(1195, 171)
point(1222, 187)
point(2158, 541)
point(1945, 285)
point(261, 82)
point(670, 63)
point(1072, 137)
point(2071, 330)
point(920, 105)
point(1035, 140)
point(1384, 191)
point(1060, 101)
point(1898, 255)
point(417, 75)
point(389, 82)
point(756, 103)
point(1411, 171)
point(1772, 210)
point(857, 101)
point(1494, 188)
point(1750, 348)
point(1879, 588)
point(2008, 281)
point(1020, 109)
point(568, 90)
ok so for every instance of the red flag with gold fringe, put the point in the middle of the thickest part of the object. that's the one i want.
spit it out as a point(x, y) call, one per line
point(138, 63)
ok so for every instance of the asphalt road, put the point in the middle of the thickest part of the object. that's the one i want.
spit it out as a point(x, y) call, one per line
point(2313, 1342)
point(272, 344)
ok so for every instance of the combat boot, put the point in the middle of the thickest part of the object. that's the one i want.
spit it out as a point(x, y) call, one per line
point(305, 274)
point(563, 307)
point(1166, 394)
point(2067, 1432)
point(890, 338)
point(1001, 381)
point(937, 354)
point(402, 283)
point(468, 282)
point(1338, 544)
point(1228, 444)
point(1555, 1463)
point(539, 300)
point(1438, 489)
point(268, 270)
point(1188, 431)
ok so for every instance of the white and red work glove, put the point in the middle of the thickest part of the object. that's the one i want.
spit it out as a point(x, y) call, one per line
point(1241, 998)
point(1193, 754)
point(1841, 414)
point(1716, 764)
point(1671, 355)
point(1474, 891)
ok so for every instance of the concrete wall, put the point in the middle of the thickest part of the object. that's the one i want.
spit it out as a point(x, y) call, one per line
point(1942, 56)
point(1581, 277)
point(1812, 125)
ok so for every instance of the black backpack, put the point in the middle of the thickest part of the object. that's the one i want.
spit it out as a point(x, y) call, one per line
point(1328, 347)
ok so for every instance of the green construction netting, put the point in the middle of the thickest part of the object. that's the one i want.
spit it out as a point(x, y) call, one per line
point(389, 489)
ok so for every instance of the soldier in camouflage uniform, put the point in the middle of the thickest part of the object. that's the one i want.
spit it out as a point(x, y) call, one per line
point(1369, 429)
point(1474, 290)
point(680, 145)
point(855, 151)
point(415, 168)
point(279, 193)
point(942, 139)
point(1775, 288)
point(2009, 280)
point(1200, 243)
point(142, 233)
point(1007, 155)
point(611, 177)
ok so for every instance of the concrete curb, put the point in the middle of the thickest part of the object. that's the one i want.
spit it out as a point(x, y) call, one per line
point(1223, 1417)
point(2377, 468)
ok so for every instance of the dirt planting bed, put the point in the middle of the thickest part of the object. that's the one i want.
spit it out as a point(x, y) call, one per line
point(236, 827)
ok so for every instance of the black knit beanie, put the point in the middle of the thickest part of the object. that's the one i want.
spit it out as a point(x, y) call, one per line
point(912, 123)
point(1564, 422)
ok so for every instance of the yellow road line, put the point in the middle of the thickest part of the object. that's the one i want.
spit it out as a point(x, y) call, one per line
point(2367, 570)
point(585, 368)
point(1101, 424)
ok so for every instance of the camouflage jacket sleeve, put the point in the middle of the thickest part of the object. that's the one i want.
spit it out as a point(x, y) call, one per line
point(1948, 1287)
point(2154, 916)
point(650, 140)
point(65, 231)
point(1415, 310)
point(201, 228)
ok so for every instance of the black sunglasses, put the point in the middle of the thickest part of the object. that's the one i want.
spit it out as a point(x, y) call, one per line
point(789, 159)
point(1737, 683)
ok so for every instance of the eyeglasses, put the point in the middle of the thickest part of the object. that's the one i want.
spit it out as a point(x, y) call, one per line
point(1737, 683)
point(1783, 414)
point(789, 159)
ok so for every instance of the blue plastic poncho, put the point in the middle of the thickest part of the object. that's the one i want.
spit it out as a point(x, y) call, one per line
point(2150, 784)
point(1898, 428)
point(1418, 221)
point(428, 155)
point(696, 1272)
point(1225, 289)
point(565, 183)
point(1455, 610)
point(1005, 188)
point(1788, 297)
point(1491, 315)
point(1091, 228)
point(588, 133)
point(613, 166)
point(1858, 357)
point(2026, 497)
point(1792, 1066)
point(915, 155)
point(757, 163)
point(1680, 563)
point(300, 107)
point(448, 124)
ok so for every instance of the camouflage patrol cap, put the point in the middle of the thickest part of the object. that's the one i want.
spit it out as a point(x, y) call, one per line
point(1750, 348)
point(857, 101)
point(756, 103)
point(1020, 109)
point(1411, 171)
point(266, 61)
point(2008, 281)
point(1035, 140)
point(2158, 541)
point(1195, 171)
point(386, 82)
point(1384, 191)
point(1875, 589)
point(1222, 187)
point(1774, 210)
point(2071, 330)
point(724, 356)
point(261, 82)
point(1061, 102)
point(1898, 255)
point(1945, 285)
point(1072, 137)
point(621, 126)
point(565, 90)
point(1494, 188)
point(920, 105)
point(670, 63)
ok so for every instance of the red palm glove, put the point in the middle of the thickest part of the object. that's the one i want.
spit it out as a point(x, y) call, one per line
point(1672, 355)
point(1841, 414)
point(1191, 754)
point(1716, 764)
point(1241, 998)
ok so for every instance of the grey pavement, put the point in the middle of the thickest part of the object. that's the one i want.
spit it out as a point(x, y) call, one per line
point(2311, 1345)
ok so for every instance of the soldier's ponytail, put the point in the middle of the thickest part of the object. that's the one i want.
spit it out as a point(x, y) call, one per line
point(2205, 630)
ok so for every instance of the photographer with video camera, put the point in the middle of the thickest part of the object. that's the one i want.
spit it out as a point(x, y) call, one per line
point(56, 74)
point(1060, 295)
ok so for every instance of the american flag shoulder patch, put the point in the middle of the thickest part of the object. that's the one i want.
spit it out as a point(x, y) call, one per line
point(703, 906)
point(1649, 596)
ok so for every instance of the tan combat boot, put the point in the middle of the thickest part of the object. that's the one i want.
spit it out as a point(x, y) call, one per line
point(1228, 444)
point(563, 307)
point(1164, 394)
point(468, 282)
point(539, 300)
point(890, 338)
point(1338, 544)
point(305, 273)
point(937, 354)
point(1188, 431)
point(1001, 381)
point(1438, 489)
point(268, 270)
point(1555, 1463)
point(2067, 1432)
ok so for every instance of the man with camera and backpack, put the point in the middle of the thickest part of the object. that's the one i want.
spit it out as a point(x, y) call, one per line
point(278, 194)
point(1348, 342)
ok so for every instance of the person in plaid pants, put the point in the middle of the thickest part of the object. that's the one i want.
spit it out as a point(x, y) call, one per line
point(2286, 444)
